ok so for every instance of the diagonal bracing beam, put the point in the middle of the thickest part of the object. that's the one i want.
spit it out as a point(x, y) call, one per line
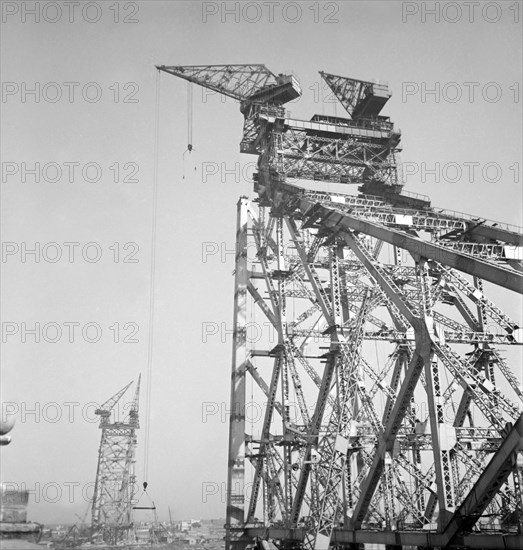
point(489, 482)
point(337, 220)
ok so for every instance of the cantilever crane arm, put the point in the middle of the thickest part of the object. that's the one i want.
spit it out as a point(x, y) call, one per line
point(348, 91)
point(236, 81)
point(132, 417)
point(358, 97)
point(136, 400)
point(111, 402)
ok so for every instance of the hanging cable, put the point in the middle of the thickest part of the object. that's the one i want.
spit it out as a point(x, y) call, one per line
point(189, 126)
point(152, 270)
point(189, 116)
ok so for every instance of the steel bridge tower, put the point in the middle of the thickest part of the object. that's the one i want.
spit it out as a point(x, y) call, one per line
point(366, 324)
point(112, 505)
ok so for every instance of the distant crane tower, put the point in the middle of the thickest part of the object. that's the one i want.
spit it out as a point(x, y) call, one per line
point(115, 479)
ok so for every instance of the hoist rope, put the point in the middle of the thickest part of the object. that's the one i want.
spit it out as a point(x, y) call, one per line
point(189, 127)
point(189, 113)
point(152, 270)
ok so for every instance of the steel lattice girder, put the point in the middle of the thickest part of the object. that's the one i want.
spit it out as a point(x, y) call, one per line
point(236, 81)
point(393, 432)
point(423, 539)
point(341, 457)
point(297, 153)
point(434, 220)
point(333, 219)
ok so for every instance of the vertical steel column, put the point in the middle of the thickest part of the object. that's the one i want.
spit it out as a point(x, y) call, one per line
point(440, 446)
point(235, 514)
point(282, 340)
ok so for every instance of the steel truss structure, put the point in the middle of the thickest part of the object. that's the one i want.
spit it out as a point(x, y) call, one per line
point(115, 487)
point(370, 400)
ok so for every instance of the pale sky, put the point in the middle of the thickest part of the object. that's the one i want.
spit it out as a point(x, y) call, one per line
point(472, 121)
